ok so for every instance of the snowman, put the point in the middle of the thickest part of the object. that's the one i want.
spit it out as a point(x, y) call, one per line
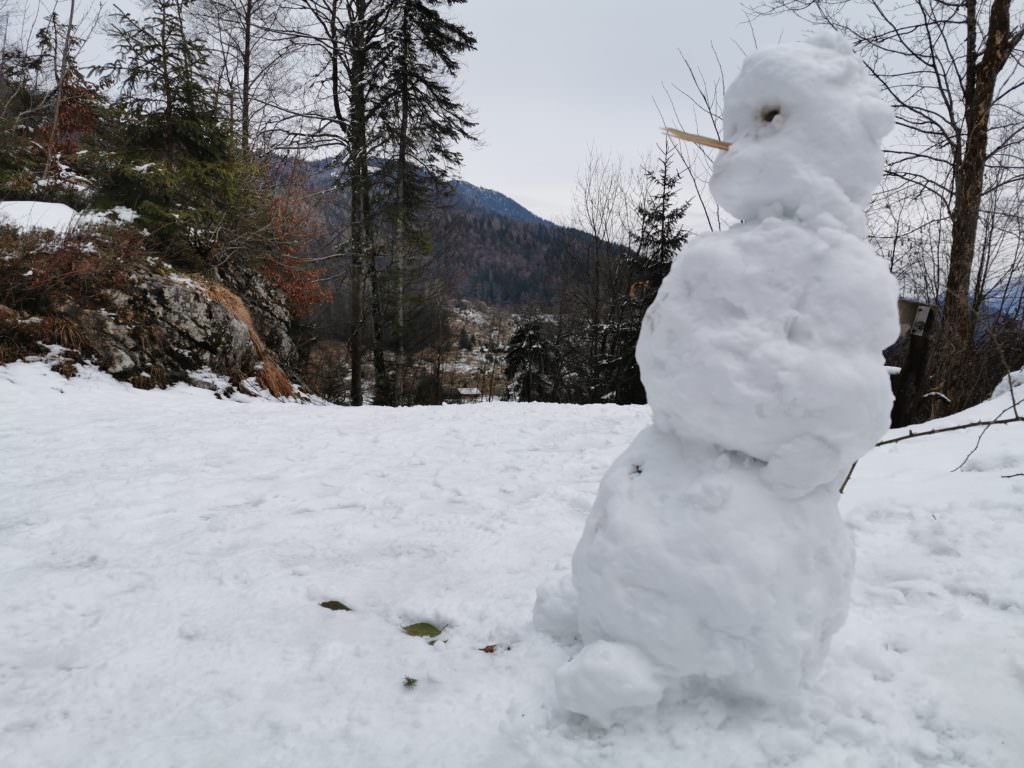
point(715, 554)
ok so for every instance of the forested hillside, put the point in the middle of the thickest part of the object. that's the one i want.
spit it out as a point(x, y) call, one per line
point(296, 172)
point(483, 244)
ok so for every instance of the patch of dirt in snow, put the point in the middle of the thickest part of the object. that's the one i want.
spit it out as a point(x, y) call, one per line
point(165, 556)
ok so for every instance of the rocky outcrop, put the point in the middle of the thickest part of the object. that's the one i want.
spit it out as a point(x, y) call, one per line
point(268, 307)
point(159, 327)
point(167, 323)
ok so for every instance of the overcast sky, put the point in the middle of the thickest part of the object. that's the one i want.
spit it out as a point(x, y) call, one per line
point(553, 78)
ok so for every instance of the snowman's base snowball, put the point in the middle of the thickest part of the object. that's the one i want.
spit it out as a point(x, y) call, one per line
point(690, 557)
point(554, 613)
point(607, 682)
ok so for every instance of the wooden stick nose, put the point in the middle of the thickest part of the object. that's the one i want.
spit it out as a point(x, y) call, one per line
point(696, 138)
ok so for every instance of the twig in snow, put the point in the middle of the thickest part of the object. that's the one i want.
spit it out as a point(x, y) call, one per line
point(912, 434)
point(977, 444)
point(848, 476)
point(1013, 405)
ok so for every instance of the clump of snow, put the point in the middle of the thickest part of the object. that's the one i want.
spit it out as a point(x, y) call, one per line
point(1015, 379)
point(554, 612)
point(715, 549)
point(65, 177)
point(690, 556)
point(766, 340)
point(115, 214)
point(609, 681)
point(26, 215)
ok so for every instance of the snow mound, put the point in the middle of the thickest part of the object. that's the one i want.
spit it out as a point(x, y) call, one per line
point(607, 681)
point(26, 215)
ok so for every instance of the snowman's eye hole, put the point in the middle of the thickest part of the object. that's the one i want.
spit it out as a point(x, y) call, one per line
point(769, 113)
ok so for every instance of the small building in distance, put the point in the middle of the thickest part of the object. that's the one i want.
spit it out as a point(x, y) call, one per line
point(467, 395)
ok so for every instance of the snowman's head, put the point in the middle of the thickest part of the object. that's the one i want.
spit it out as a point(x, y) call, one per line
point(806, 123)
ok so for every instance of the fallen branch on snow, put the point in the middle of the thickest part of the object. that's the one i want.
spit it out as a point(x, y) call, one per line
point(977, 444)
point(973, 424)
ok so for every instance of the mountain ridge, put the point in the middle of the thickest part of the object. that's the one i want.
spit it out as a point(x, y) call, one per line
point(495, 202)
point(492, 248)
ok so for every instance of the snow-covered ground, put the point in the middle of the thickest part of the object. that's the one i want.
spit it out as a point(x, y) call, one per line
point(26, 215)
point(163, 556)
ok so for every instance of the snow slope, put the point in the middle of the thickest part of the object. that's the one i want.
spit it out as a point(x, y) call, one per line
point(25, 215)
point(163, 554)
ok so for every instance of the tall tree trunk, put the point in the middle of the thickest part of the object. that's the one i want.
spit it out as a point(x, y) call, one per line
point(400, 276)
point(246, 72)
point(355, 350)
point(358, 182)
point(400, 320)
point(62, 77)
point(381, 384)
point(382, 394)
point(403, 200)
point(958, 322)
point(362, 225)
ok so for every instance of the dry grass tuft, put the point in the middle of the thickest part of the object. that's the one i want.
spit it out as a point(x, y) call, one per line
point(65, 368)
point(63, 331)
point(272, 378)
point(270, 375)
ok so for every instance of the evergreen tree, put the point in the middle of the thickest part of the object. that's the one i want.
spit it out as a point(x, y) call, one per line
point(166, 87)
point(346, 39)
point(531, 365)
point(658, 239)
point(423, 121)
point(361, 42)
point(202, 203)
point(660, 234)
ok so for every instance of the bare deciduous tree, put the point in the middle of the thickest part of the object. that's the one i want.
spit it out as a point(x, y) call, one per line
point(251, 49)
point(697, 104)
point(952, 70)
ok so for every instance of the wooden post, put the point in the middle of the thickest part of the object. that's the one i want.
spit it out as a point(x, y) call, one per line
point(915, 367)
